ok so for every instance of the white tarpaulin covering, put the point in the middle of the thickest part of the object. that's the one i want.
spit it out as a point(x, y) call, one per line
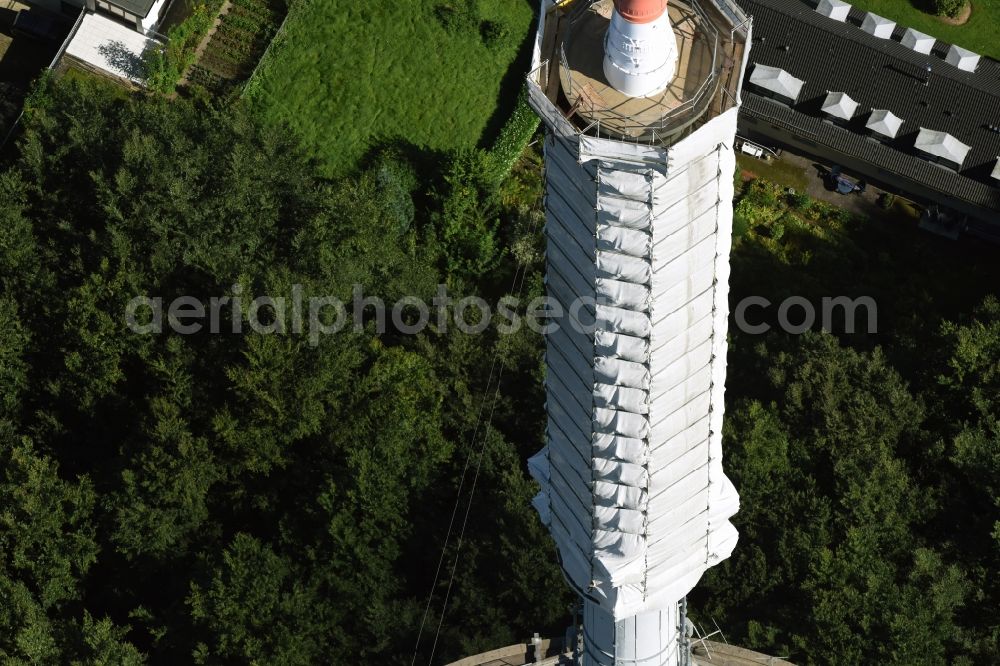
point(835, 9)
point(996, 170)
point(962, 58)
point(839, 105)
point(632, 484)
point(942, 145)
point(918, 41)
point(878, 26)
point(777, 81)
point(884, 123)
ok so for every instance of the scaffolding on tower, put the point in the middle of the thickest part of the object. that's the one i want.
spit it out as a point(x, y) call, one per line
point(639, 99)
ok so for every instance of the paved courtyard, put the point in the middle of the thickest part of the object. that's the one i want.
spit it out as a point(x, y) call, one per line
point(862, 203)
point(110, 46)
point(808, 175)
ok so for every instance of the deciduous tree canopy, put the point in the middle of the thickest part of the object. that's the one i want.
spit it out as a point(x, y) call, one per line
point(281, 499)
point(242, 498)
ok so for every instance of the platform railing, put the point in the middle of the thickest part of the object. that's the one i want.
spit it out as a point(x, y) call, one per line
point(623, 124)
point(734, 13)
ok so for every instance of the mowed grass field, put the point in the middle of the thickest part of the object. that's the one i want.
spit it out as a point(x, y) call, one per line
point(980, 34)
point(348, 75)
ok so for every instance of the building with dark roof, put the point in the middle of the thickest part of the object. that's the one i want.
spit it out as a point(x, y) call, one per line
point(140, 15)
point(953, 114)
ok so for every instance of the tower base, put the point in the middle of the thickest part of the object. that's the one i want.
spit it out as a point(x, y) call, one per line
point(647, 639)
point(705, 653)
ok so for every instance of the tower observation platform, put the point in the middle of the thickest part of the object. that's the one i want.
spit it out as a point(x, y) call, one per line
point(710, 49)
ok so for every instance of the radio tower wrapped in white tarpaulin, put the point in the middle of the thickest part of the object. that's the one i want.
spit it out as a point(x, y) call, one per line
point(640, 103)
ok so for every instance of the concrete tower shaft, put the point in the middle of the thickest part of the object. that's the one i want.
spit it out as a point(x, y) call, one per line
point(639, 212)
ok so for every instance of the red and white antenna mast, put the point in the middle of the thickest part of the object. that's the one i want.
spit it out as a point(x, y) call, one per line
point(640, 50)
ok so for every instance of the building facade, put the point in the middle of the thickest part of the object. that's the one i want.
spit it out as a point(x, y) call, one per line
point(141, 15)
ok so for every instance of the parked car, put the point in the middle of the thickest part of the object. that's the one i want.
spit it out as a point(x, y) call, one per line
point(752, 149)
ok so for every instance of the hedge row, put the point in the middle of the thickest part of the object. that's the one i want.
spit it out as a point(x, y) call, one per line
point(513, 139)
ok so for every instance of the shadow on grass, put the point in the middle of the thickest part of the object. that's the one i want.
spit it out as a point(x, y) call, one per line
point(510, 86)
point(24, 59)
point(915, 278)
point(925, 6)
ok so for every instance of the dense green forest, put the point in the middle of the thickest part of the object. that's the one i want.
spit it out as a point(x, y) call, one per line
point(868, 465)
point(245, 498)
point(255, 498)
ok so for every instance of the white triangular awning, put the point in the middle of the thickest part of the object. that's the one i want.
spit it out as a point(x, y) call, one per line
point(884, 122)
point(941, 144)
point(996, 170)
point(878, 26)
point(918, 41)
point(835, 9)
point(964, 59)
point(839, 105)
point(777, 81)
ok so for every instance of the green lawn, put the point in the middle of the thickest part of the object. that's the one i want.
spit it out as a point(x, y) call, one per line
point(979, 34)
point(348, 75)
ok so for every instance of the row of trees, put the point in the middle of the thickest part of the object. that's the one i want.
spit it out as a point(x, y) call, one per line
point(255, 498)
point(867, 464)
point(950, 8)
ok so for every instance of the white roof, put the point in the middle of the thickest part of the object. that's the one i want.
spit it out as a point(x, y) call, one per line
point(878, 26)
point(996, 170)
point(111, 46)
point(962, 58)
point(918, 41)
point(884, 122)
point(839, 105)
point(835, 9)
point(777, 81)
point(941, 144)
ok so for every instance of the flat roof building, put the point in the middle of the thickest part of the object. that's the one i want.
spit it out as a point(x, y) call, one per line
point(883, 76)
